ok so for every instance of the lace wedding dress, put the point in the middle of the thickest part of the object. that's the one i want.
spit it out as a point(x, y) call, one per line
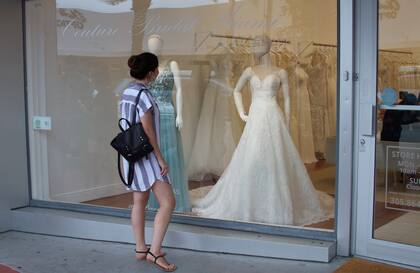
point(266, 181)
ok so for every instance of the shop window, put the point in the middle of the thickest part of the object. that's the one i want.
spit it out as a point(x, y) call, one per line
point(247, 90)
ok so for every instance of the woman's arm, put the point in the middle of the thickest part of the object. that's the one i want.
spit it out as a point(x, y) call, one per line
point(147, 122)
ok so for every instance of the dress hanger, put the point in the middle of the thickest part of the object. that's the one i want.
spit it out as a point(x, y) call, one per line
point(220, 45)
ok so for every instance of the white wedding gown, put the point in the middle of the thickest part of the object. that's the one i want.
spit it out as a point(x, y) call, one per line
point(214, 141)
point(301, 122)
point(266, 181)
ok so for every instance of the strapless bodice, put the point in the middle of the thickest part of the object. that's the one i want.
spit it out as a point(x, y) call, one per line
point(266, 88)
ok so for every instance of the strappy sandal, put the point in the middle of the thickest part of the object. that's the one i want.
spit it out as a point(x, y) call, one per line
point(142, 252)
point(169, 268)
point(145, 253)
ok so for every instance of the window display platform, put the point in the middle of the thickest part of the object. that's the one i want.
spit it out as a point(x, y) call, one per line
point(108, 228)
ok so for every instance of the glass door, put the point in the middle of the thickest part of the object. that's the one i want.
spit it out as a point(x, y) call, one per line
point(388, 131)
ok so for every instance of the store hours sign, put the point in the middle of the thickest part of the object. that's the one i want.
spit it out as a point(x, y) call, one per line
point(402, 178)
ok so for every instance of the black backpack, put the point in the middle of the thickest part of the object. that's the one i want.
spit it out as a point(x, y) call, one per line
point(132, 144)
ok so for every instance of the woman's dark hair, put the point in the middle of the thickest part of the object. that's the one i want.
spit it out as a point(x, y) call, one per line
point(140, 65)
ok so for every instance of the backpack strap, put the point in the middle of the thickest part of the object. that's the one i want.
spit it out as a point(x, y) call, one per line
point(133, 120)
point(130, 175)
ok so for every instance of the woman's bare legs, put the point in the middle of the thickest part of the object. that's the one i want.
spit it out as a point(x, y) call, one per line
point(140, 200)
point(166, 200)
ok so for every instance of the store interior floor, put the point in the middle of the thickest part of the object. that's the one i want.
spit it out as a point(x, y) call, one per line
point(323, 178)
point(321, 173)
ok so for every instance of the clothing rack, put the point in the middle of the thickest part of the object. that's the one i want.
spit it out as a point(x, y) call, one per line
point(246, 38)
point(316, 44)
point(381, 50)
point(324, 45)
point(396, 51)
point(210, 34)
point(335, 46)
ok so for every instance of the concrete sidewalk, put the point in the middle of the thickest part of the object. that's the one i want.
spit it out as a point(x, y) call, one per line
point(33, 253)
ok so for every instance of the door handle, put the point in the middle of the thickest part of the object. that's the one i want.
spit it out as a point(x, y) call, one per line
point(368, 114)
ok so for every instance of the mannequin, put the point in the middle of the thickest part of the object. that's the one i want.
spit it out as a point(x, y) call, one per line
point(261, 49)
point(155, 45)
point(266, 181)
point(167, 82)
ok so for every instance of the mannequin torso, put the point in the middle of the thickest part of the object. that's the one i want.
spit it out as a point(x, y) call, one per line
point(155, 45)
point(262, 72)
point(263, 79)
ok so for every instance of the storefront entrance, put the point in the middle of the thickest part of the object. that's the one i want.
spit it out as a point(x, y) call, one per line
point(76, 72)
point(387, 136)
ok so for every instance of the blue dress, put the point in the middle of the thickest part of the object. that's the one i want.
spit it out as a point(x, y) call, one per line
point(170, 141)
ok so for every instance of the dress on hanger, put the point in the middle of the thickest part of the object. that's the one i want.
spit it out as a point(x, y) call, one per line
point(318, 93)
point(170, 140)
point(332, 93)
point(214, 141)
point(300, 122)
point(266, 181)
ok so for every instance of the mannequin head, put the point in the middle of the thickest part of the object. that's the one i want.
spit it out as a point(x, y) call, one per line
point(261, 46)
point(155, 44)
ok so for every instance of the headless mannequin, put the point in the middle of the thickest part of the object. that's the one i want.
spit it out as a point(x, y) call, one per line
point(155, 44)
point(261, 49)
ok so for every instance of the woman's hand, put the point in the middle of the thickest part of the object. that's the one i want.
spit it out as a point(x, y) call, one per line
point(163, 167)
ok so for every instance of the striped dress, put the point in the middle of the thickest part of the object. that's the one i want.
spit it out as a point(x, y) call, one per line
point(146, 170)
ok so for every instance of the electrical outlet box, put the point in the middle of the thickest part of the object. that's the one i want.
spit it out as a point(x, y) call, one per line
point(42, 123)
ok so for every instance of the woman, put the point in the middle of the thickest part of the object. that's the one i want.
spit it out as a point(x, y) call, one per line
point(151, 172)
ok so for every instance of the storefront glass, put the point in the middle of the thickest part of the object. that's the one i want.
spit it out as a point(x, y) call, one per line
point(247, 89)
point(397, 187)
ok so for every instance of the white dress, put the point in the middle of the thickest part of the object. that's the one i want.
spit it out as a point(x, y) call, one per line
point(318, 94)
point(214, 141)
point(301, 122)
point(332, 94)
point(266, 181)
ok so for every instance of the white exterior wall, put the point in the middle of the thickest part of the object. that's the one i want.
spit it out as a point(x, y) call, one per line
point(13, 153)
